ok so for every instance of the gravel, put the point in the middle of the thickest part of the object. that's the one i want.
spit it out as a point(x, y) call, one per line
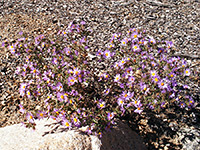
point(177, 21)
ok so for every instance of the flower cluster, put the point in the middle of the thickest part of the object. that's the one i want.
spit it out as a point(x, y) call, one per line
point(59, 77)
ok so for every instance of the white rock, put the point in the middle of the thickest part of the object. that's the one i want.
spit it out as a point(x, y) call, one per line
point(17, 137)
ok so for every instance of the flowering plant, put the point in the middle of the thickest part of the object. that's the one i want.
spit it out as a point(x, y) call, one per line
point(61, 78)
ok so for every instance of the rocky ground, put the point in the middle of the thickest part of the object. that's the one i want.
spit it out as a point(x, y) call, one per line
point(176, 21)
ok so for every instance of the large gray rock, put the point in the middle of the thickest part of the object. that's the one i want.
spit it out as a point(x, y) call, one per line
point(17, 137)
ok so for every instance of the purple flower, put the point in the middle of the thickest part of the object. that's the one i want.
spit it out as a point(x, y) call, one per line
point(22, 89)
point(153, 73)
point(162, 84)
point(59, 86)
point(61, 96)
point(83, 40)
point(12, 49)
point(172, 75)
point(115, 36)
point(34, 71)
point(123, 42)
point(76, 72)
point(120, 102)
point(138, 109)
point(187, 72)
point(82, 22)
point(28, 93)
point(162, 104)
point(153, 64)
point(134, 35)
point(110, 116)
point(101, 104)
point(106, 92)
point(30, 117)
point(108, 126)
point(117, 78)
point(116, 65)
point(66, 123)
point(22, 110)
point(126, 96)
point(136, 103)
point(107, 54)
point(191, 102)
point(136, 48)
point(122, 62)
point(182, 104)
point(71, 80)
point(76, 121)
point(153, 41)
point(156, 79)
point(111, 45)
point(169, 44)
point(40, 114)
point(55, 61)
point(89, 130)
point(99, 53)
point(20, 33)
point(131, 79)
point(144, 88)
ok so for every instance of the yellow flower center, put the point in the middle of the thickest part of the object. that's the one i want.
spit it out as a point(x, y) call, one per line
point(106, 54)
point(75, 120)
point(34, 71)
point(162, 83)
point(31, 117)
point(28, 93)
point(135, 36)
point(101, 105)
point(72, 80)
point(171, 75)
point(153, 74)
point(156, 79)
point(41, 114)
point(62, 97)
point(67, 124)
